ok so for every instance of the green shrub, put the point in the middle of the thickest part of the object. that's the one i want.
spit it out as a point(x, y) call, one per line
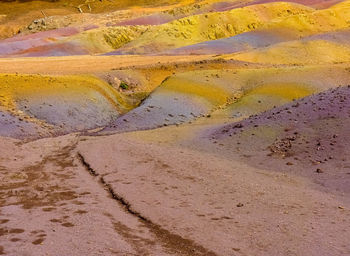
point(124, 85)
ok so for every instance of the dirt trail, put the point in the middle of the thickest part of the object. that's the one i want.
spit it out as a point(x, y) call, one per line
point(226, 206)
point(46, 191)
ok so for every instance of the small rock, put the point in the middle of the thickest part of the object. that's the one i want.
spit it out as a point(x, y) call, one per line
point(240, 205)
point(319, 170)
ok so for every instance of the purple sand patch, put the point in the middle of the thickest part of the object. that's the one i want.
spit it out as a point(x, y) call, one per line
point(315, 3)
point(61, 32)
point(309, 137)
point(7, 48)
point(318, 119)
point(12, 126)
point(18, 44)
point(56, 49)
point(340, 37)
point(71, 115)
point(160, 109)
point(241, 42)
point(90, 27)
point(114, 53)
point(331, 104)
point(226, 6)
point(244, 41)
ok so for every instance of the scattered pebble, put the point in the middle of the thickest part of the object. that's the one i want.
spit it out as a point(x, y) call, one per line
point(318, 170)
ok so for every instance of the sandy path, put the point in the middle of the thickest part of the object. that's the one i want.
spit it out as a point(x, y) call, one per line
point(225, 206)
point(51, 205)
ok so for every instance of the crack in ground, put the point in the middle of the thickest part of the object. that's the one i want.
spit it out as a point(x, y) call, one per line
point(123, 201)
point(86, 165)
point(174, 243)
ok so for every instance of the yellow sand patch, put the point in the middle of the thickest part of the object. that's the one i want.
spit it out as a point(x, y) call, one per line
point(22, 87)
point(298, 52)
point(314, 22)
point(264, 97)
point(344, 4)
point(288, 91)
point(108, 39)
point(298, 19)
point(210, 92)
point(211, 26)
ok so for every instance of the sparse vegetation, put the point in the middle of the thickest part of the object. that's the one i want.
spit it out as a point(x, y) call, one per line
point(123, 85)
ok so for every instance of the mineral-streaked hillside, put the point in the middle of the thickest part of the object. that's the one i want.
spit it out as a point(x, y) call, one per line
point(196, 127)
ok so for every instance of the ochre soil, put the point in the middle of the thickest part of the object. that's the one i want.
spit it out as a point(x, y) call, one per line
point(236, 153)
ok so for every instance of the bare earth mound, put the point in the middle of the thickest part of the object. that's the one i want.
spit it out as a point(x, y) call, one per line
point(186, 128)
point(309, 137)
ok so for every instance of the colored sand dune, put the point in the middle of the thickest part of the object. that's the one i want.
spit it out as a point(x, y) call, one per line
point(311, 132)
point(226, 94)
point(238, 43)
point(65, 103)
point(296, 52)
point(204, 28)
point(175, 127)
point(211, 26)
point(21, 43)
